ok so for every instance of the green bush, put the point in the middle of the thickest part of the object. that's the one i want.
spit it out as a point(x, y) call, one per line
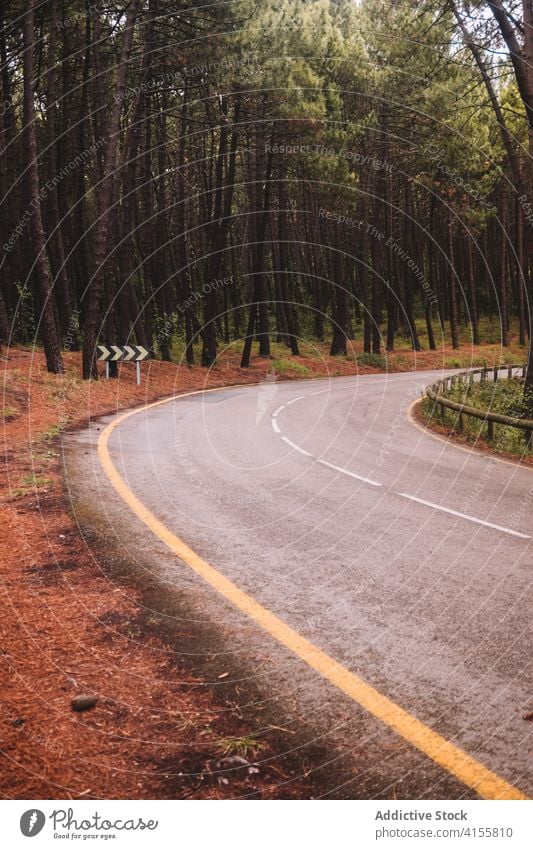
point(376, 360)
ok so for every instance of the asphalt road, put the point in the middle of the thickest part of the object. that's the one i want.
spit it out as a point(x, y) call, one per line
point(403, 557)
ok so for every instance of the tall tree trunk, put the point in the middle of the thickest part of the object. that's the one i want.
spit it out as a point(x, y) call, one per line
point(502, 279)
point(221, 218)
point(521, 272)
point(522, 60)
point(52, 347)
point(452, 287)
point(472, 285)
point(284, 270)
point(105, 193)
point(4, 322)
point(339, 305)
point(260, 214)
point(364, 271)
point(57, 250)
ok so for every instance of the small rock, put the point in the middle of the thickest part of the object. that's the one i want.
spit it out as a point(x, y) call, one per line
point(19, 722)
point(81, 703)
point(253, 770)
point(231, 762)
point(528, 716)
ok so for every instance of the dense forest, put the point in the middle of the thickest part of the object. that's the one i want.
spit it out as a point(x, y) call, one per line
point(280, 169)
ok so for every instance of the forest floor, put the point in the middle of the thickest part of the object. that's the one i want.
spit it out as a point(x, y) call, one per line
point(65, 626)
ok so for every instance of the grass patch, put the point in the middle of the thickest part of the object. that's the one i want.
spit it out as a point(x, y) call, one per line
point(36, 481)
point(30, 483)
point(55, 430)
point(375, 360)
point(243, 746)
point(10, 413)
point(285, 366)
point(65, 389)
point(400, 362)
point(307, 349)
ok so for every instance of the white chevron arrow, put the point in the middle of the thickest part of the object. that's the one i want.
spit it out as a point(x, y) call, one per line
point(129, 352)
point(118, 353)
point(142, 353)
point(105, 353)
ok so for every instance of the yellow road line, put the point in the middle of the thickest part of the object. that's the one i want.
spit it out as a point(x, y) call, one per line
point(486, 783)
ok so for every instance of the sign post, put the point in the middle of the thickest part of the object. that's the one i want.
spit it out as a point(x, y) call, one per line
point(125, 354)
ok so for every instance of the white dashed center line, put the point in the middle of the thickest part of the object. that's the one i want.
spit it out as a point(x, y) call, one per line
point(464, 516)
point(296, 447)
point(351, 474)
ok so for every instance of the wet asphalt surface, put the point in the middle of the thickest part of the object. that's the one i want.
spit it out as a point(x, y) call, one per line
point(302, 494)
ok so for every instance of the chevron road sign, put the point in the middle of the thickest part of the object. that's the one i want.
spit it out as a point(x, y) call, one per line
point(122, 353)
point(125, 354)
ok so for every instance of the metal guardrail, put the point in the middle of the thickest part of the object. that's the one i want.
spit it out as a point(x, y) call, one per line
point(436, 390)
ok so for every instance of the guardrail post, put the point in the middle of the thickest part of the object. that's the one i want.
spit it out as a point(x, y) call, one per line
point(509, 372)
point(529, 439)
point(460, 423)
point(483, 375)
point(495, 374)
point(490, 430)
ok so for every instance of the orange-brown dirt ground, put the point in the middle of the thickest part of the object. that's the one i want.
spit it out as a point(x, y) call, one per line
point(68, 629)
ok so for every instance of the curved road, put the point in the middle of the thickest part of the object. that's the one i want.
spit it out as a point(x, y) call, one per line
point(405, 558)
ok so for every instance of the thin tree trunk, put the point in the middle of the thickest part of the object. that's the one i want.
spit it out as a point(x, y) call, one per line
point(223, 201)
point(522, 61)
point(338, 306)
point(452, 286)
point(257, 270)
point(364, 272)
point(52, 347)
point(105, 193)
point(520, 273)
point(473, 294)
point(4, 322)
point(57, 250)
point(502, 279)
point(285, 285)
